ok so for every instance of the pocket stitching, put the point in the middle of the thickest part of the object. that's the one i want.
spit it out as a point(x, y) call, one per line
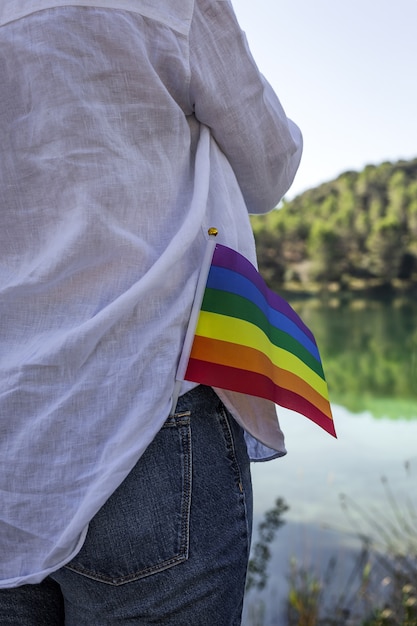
point(182, 555)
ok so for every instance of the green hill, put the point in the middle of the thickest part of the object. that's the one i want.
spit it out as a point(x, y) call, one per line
point(359, 230)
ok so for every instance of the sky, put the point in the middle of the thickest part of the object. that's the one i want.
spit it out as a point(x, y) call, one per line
point(345, 72)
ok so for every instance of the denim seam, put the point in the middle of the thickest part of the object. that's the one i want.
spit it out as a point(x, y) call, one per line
point(123, 580)
point(186, 489)
point(231, 445)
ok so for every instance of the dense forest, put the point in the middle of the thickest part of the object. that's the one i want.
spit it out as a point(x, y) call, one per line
point(357, 230)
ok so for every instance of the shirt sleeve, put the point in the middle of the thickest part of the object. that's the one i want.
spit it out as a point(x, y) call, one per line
point(230, 95)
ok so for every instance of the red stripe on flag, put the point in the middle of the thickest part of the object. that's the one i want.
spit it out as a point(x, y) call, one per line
point(234, 355)
point(255, 384)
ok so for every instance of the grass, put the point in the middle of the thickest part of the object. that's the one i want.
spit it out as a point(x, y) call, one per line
point(381, 589)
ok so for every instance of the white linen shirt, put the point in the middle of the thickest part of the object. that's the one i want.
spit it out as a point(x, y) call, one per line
point(128, 128)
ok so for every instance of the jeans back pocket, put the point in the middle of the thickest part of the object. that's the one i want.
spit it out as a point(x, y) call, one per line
point(144, 527)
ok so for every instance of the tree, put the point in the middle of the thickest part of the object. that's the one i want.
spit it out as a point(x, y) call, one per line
point(326, 248)
point(385, 246)
point(360, 225)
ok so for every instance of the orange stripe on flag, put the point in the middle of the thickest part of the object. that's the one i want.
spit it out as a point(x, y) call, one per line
point(245, 358)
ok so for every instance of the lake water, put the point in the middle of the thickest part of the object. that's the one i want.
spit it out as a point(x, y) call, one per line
point(369, 352)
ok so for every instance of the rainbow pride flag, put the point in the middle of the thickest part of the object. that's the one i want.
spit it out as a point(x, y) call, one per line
point(249, 339)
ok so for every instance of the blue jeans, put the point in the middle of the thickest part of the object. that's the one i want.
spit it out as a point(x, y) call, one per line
point(170, 546)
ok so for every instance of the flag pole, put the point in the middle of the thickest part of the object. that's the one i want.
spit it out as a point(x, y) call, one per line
point(195, 311)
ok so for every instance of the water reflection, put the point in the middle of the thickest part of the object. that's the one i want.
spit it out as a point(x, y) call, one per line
point(369, 353)
point(312, 477)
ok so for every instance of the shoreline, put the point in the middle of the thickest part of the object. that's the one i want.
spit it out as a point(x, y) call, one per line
point(354, 289)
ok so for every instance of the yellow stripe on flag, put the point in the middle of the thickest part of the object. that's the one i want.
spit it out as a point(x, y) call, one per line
point(240, 332)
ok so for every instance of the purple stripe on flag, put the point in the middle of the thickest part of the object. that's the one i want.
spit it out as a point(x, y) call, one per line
point(230, 259)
